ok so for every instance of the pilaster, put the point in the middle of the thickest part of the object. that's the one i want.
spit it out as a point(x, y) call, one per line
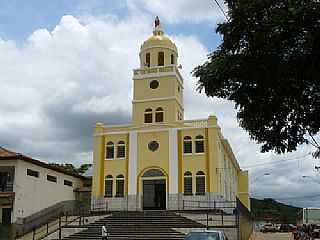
point(98, 162)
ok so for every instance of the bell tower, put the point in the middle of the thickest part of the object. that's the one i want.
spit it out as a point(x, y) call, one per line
point(158, 84)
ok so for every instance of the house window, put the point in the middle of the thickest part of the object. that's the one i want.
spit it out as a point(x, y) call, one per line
point(120, 186)
point(121, 149)
point(32, 173)
point(110, 150)
point(108, 186)
point(187, 145)
point(159, 114)
point(147, 60)
point(199, 144)
point(172, 59)
point(187, 183)
point(67, 183)
point(148, 115)
point(160, 58)
point(51, 178)
point(200, 183)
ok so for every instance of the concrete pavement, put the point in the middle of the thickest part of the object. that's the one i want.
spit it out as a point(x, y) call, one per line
point(271, 236)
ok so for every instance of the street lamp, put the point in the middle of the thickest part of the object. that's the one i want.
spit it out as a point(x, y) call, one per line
point(314, 180)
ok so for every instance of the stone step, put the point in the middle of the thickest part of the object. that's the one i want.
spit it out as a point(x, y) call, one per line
point(155, 225)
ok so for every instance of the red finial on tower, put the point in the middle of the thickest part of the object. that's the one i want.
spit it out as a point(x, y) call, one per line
point(156, 22)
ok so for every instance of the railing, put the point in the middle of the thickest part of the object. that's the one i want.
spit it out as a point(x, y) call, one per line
point(8, 187)
point(152, 70)
point(227, 206)
point(54, 226)
point(65, 219)
point(201, 123)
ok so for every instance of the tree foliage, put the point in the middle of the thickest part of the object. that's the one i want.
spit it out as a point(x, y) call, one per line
point(269, 64)
point(71, 168)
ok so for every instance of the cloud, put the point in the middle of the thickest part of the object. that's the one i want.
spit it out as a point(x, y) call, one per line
point(59, 83)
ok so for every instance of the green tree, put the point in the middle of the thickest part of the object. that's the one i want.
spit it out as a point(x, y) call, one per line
point(83, 168)
point(71, 168)
point(268, 64)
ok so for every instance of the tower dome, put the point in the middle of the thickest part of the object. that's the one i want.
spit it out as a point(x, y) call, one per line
point(156, 43)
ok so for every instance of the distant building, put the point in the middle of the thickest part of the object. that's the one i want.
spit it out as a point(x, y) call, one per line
point(160, 160)
point(28, 186)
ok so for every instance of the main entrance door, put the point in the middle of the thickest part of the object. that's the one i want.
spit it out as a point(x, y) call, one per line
point(6, 215)
point(154, 194)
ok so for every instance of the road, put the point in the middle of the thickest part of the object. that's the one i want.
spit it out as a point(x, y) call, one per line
point(271, 236)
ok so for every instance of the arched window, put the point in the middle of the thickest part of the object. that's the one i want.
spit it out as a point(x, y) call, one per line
point(108, 186)
point(187, 145)
point(199, 144)
point(153, 173)
point(159, 114)
point(147, 60)
point(200, 183)
point(148, 115)
point(110, 150)
point(121, 149)
point(160, 58)
point(120, 186)
point(172, 59)
point(187, 183)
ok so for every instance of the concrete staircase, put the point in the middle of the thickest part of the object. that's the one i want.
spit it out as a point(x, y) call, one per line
point(151, 225)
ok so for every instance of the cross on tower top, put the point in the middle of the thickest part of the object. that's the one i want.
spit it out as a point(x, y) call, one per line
point(157, 27)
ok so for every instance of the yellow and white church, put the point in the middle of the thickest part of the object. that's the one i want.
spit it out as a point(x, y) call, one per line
point(161, 160)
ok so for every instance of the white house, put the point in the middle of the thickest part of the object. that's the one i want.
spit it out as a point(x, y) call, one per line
point(28, 186)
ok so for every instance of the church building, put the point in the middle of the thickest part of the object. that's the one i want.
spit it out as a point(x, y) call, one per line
point(160, 160)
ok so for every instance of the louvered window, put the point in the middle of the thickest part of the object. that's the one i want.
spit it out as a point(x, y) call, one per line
point(187, 183)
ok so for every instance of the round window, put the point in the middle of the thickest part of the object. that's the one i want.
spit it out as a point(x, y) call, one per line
point(154, 84)
point(153, 146)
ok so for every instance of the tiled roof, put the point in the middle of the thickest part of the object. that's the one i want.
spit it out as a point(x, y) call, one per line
point(6, 154)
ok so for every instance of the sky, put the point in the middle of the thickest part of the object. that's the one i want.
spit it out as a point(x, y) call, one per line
point(67, 64)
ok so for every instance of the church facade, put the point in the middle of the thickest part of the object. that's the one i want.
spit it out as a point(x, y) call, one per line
point(161, 160)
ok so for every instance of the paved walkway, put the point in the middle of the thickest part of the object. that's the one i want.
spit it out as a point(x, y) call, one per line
point(271, 236)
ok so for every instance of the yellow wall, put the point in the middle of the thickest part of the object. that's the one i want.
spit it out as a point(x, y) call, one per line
point(243, 188)
point(169, 107)
point(167, 88)
point(156, 159)
point(193, 162)
point(212, 140)
point(117, 166)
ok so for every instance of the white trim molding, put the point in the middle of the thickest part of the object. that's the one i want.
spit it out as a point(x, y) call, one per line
point(160, 99)
point(132, 163)
point(173, 161)
point(144, 49)
point(150, 130)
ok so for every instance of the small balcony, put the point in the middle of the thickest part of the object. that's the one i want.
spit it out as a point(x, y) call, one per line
point(7, 187)
point(6, 181)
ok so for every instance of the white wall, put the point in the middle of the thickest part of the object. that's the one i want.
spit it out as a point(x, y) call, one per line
point(34, 194)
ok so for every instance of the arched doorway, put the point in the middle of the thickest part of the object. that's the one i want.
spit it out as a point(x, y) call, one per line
point(154, 190)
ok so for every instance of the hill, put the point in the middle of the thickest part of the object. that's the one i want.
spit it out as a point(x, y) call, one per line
point(272, 211)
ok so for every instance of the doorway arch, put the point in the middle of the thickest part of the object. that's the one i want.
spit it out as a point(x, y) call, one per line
point(154, 189)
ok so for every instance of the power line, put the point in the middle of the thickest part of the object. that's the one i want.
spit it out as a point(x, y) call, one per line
point(221, 9)
point(277, 162)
